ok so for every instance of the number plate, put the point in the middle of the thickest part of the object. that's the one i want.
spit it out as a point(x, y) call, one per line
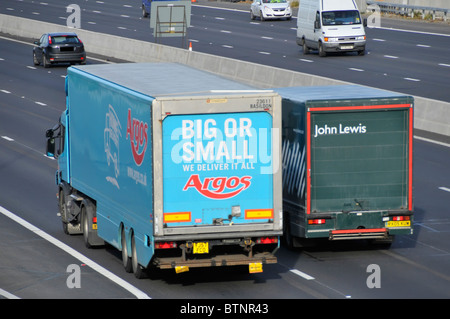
point(201, 248)
point(255, 268)
point(400, 223)
point(346, 47)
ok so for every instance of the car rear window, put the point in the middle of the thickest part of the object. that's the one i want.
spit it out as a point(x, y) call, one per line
point(65, 39)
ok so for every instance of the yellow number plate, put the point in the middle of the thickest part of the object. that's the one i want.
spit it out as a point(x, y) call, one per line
point(255, 268)
point(400, 223)
point(201, 248)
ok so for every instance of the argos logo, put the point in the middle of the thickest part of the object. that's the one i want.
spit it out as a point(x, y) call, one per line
point(137, 131)
point(215, 187)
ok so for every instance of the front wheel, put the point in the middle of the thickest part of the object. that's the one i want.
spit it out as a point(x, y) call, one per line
point(322, 52)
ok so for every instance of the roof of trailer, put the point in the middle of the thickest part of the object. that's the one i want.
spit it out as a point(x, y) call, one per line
point(162, 79)
point(335, 92)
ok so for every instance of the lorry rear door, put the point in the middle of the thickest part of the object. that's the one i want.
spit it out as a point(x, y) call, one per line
point(217, 172)
point(360, 158)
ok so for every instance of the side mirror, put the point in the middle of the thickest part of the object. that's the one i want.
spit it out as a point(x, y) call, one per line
point(50, 149)
point(317, 24)
point(36, 42)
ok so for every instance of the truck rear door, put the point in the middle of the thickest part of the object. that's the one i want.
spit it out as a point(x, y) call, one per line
point(360, 158)
point(217, 172)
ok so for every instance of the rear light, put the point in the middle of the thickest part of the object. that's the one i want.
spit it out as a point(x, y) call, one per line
point(49, 40)
point(94, 220)
point(165, 245)
point(80, 40)
point(318, 221)
point(400, 218)
point(267, 240)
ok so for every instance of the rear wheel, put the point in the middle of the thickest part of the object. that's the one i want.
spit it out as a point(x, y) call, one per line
point(138, 270)
point(85, 227)
point(126, 261)
point(305, 47)
point(35, 60)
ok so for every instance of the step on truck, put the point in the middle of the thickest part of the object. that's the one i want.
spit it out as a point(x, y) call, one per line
point(173, 166)
point(347, 163)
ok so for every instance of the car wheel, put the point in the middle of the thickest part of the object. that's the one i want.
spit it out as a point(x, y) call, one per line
point(35, 60)
point(144, 13)
point(322, 52)
point(305, 47)
point(45, 62)
point(261, 16)
point(252, 16)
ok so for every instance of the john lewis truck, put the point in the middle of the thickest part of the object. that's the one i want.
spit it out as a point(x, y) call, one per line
point(173, 166)
point(347, 163)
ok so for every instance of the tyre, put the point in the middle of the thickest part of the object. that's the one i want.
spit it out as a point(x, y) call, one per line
point(138, 270)
point(305, 47)
point(35, 60)
point(322, 52)
point(126, 261)
point(45, 62)
point(85, 227)
point(63, 210)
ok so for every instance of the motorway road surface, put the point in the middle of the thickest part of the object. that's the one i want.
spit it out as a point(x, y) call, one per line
point(407, 57)
point(34, 265)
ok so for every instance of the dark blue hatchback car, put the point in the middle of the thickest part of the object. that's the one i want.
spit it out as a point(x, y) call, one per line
point(58, 47)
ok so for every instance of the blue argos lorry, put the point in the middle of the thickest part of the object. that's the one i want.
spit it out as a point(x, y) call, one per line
point(347, 164)
point(173, 166)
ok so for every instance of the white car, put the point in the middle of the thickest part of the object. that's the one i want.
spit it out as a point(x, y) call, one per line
point(270, 9)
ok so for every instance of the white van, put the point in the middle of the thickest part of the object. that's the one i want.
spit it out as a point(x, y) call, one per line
point(330, 26)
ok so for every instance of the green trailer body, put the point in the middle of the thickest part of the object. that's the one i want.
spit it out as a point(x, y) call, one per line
point(347, 163)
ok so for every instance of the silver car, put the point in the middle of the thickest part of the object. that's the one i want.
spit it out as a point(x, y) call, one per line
point(270, 9)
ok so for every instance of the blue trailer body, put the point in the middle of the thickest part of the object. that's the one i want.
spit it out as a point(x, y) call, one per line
point(158, 161)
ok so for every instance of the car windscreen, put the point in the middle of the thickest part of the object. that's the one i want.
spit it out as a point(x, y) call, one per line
point(341, 17)
point(65, 39)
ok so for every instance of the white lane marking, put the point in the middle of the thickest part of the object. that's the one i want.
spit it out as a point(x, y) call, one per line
point(412, 31)
point(444, 189)
point(444, 64)
point(225, 31)
point(306, 60)
point(124, 16)
point(227, 46)
point(411, 79)
point(266, 53)
point(355, 69)
point(135, 291)
point(40, 103)
point(379, 40)
point(391, 56)
point(431, 141)
point(423, 45)
point(267, 38)
point(7, 294)
point(31, 67)
point(5, 91)
point(219, 18)
point(7, 138)
point(302, 274)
